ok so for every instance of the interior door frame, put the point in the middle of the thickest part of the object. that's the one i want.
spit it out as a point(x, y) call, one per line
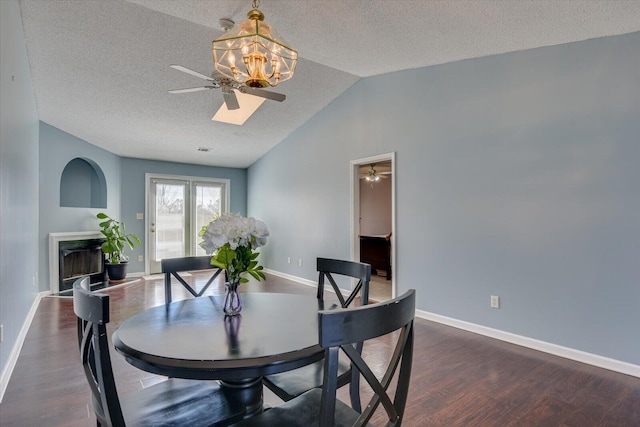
point(355, 210)
point(148, 177)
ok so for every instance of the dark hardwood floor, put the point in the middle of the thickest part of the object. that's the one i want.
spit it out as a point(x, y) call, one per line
point(458, 378)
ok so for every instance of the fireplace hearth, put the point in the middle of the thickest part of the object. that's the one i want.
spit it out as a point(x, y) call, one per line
point(74, 254)
point(79, 258)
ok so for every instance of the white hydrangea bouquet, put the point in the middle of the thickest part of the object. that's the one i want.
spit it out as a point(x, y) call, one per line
point(231, 240)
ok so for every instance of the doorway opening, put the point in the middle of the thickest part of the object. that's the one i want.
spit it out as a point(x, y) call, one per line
point(373, 233)
point(177, 209)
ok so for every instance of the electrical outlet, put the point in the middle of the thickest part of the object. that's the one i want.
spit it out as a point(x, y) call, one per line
point(495, 301)
point(139, 215)
point(288, 260)
point(300, 262)
point(140, 258)
point(1, 333)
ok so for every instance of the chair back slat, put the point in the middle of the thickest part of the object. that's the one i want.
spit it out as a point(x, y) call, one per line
point(328, 267)
point(289, 385)
point(186, 263)
point(339, 329)
point(89, 306)
point(173, 267)
point(92, 310)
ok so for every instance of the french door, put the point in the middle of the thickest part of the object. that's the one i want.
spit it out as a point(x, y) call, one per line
point(178, 208)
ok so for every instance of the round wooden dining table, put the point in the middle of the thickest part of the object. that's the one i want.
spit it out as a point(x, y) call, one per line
point(194, 339)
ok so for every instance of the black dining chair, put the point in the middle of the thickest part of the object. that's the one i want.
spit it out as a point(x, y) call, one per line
point(290, 384)
point(174, 402)
point(338, 330)
point(174, 266)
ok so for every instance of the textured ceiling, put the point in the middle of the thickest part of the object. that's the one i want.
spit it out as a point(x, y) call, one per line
point(100, 69)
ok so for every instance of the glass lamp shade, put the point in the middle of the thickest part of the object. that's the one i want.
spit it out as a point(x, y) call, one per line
point(254, 54)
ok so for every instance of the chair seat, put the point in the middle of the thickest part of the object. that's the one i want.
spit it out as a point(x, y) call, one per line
point(193, 403)
point(302, 411)
point(287, 385)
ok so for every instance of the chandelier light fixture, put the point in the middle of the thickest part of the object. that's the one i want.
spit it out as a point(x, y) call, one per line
point(253, 53)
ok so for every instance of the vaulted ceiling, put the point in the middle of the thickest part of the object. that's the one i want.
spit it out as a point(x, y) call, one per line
point(100, 69)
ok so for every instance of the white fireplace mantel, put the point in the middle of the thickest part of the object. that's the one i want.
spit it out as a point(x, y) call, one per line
point(54, 248)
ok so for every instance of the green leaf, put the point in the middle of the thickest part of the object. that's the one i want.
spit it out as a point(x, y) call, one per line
point(258, 275)
point(130, 243)
point(226, 255)
point(218, 264)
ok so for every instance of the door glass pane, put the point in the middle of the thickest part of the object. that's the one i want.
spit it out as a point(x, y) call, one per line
point(170, 219)
point(208, 204)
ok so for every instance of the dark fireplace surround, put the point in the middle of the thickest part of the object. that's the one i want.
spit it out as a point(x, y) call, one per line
point(79, 258)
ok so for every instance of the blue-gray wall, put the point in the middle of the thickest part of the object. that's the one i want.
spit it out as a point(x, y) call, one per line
point(125, 179)
point(517, 175)
point(18, 182)
point(57, 149)
point(133, 192)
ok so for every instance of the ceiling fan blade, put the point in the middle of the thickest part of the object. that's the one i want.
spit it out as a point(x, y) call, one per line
point(191, 89)
point(230, 98)
point(262, 93)
point(190, 71)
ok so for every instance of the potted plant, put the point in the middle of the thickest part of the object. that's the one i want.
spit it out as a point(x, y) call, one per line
point(116, 238)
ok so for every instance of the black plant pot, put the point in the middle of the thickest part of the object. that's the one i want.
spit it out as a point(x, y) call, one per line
point(117, 272)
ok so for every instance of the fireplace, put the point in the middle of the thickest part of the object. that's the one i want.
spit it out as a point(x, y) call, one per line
point(79, 258)
point(73, 255)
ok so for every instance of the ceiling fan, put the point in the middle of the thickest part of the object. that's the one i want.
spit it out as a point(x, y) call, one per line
point(372, 175)
point(228, 87)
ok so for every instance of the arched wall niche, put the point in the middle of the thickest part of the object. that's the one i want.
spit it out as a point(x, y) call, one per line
point(83, 185)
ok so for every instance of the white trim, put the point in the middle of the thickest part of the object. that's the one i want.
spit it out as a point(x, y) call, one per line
point(292, 278)
point(54, 247)
point(557, 350)
point(302, 281)
point(17, 347)
point(109, 287)
point(191, 179)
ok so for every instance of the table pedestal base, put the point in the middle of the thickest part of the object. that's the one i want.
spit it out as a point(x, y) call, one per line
point(248, 391)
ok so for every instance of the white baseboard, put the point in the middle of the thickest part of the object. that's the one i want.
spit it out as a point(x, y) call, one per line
point(307, 282)
point(557, 350)
point(292, 278)
point(17, 347)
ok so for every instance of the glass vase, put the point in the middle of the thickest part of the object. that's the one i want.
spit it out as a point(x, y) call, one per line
point(232, 304)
